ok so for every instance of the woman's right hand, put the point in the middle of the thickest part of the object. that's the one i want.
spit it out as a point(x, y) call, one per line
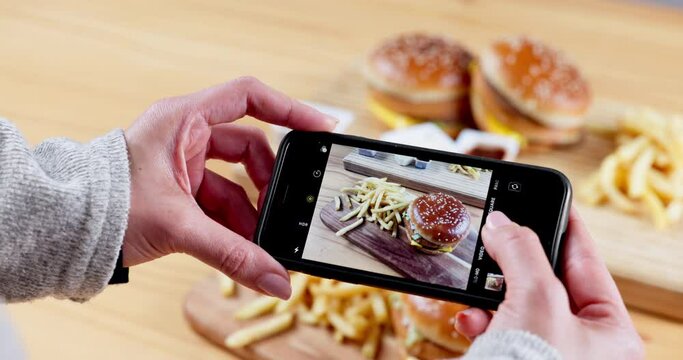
point(583, 316)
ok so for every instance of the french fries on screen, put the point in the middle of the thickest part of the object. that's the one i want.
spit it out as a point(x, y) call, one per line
point(374, 200)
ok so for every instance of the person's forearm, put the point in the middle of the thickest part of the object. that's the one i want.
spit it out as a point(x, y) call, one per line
point(63, 214)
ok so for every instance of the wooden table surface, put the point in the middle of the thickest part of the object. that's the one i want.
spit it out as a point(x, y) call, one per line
point(79, 68)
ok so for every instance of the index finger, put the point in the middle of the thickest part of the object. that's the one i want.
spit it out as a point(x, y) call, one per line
point(248, 96)
point(587, 279)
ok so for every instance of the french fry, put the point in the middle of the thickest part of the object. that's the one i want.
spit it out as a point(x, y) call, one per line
point(677, 182)
point(363, 209)
point(259, 331)
point(338, 336)
point(319, 305)
point(392, 207)
point(674, 211)
point(298, 282)
point(657, 209)
point(355, 314)
point(608, 175)
point(662, 160)
point(379, 202)
point(337, 203)
point(473, 172)
point(343, 290)
point(661, 185)
point(362, 307)
point(379, 308)
point(258, 307)
point(591, 192)
point(306, 316)
point(226, 284)
point(637, 179)
point(371, 343)
point(360, 323)
point(347, 200)
point(348, 228)
point(351, 214)
point(629, 151)
point(343, 326)
point(334, 305)
point(646, 169)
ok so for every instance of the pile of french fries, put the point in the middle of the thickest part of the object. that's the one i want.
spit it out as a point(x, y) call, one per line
point(645, 172)
point(356, 313)
point(471, 171)
point(375, 200)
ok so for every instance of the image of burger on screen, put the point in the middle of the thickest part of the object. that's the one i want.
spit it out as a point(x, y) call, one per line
point(410, 219)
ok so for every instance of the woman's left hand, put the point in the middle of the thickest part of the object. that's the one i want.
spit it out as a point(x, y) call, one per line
point(177, 205)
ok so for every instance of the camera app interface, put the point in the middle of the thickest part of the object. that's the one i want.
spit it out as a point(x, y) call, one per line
point(403, 217)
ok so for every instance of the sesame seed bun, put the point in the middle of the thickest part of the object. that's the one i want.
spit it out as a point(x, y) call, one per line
point(434, 320)
point(538, 80)
point(437, 222)
point(493, 113)
point(420, 75)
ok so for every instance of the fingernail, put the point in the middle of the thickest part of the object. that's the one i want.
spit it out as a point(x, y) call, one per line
point(332, 122)
point(497, 219)
point(275, 285)
point(461, 316)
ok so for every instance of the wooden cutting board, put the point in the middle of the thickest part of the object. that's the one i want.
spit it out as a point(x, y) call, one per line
point(451, 270)
point(647, 264)
point(211, 315)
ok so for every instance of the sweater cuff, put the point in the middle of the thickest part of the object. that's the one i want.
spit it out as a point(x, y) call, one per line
point(511, 344)
point(108, 248)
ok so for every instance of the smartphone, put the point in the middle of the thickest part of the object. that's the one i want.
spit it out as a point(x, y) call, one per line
point(403, 218)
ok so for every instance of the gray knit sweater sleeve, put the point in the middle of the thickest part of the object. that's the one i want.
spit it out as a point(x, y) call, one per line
point(511, 345)
point(63, 214)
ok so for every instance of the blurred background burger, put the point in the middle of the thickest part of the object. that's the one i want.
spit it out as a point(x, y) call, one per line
point(422, 76)
point(528, 90)
point(426, 327)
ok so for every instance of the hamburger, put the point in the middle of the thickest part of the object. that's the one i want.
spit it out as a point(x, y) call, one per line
point(426, 327)
point(436, 223)
point(525, 89)
point(422, 76)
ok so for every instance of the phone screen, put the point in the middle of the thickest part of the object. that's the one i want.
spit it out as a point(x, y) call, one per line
point(403, 217)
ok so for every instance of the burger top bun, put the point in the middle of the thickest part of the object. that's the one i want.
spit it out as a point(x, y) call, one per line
point(435, 319)
point(420, 68)
point(440, 218)
point(538, 80)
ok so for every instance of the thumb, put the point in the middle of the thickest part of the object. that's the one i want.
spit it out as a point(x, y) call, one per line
point(236, 257)
point(472, 322)
point(518, 252)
